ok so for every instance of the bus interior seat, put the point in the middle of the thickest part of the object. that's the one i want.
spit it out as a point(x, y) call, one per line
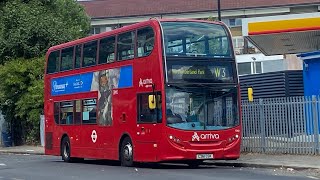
point(69, 119)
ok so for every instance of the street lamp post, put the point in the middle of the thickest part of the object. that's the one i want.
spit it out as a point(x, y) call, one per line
point(219, 10)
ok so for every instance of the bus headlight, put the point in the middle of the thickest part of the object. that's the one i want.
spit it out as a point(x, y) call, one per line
point(175, 140)
point(233, 138)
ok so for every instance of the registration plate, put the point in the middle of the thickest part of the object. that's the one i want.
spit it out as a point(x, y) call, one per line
point(204, 156)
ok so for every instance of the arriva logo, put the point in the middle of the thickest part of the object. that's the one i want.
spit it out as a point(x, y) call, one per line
point(59, 87)
point(145, 83)
point(209, 136)
point(195, 137)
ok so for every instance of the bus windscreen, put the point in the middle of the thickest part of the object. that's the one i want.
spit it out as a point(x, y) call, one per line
point(196, 39)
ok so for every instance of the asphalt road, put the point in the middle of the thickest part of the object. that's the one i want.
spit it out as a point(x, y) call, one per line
point(29, 167)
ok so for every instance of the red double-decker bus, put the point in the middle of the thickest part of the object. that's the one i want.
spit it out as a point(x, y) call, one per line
point(155, 91)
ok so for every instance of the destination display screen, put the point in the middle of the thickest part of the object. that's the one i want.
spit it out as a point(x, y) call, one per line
point(210, 72)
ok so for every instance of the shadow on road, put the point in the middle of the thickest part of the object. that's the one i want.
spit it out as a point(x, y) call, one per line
point(147, 165)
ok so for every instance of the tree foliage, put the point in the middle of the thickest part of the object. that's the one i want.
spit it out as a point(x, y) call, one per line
point(30, 27)
point(27, 29)
point(21, 95)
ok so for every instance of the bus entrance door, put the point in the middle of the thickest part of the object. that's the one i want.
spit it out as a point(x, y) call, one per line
point(148, 130)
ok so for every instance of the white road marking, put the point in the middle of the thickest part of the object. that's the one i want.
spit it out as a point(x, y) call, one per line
point(312, 177)
point(1, 164)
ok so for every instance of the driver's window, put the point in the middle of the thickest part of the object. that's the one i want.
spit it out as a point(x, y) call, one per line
point(145, 114)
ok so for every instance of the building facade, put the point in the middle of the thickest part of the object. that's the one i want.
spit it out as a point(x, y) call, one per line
point(110, 14)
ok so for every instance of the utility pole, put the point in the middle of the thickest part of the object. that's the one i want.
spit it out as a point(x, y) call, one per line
point(219, 10)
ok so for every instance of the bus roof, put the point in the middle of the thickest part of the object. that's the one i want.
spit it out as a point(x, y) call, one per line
point(123, 29)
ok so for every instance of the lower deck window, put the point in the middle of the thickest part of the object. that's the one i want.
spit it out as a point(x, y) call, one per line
point(78, 110)
point(89, 111)
point(75, 112)
point(66, 112)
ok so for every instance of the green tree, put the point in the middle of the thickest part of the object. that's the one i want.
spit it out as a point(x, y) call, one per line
point(21, 96)
point(27, 29)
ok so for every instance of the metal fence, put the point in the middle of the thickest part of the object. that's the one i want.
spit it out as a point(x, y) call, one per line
point(288, 125)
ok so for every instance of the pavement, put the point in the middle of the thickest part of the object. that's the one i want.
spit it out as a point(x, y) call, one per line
point(291, 162)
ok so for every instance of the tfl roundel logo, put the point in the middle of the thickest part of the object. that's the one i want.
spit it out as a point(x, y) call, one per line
point(94, 136)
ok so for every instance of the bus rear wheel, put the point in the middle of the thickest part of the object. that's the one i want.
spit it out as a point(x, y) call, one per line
point(126, 152)
point(66, 151)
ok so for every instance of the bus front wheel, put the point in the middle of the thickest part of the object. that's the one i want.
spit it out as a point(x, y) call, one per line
point(126, 152)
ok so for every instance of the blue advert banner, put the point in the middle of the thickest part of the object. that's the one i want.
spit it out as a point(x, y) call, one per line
point(100, 81)
point(71, 84)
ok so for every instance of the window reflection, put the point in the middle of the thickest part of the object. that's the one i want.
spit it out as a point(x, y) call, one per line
point(199, 109)
point(145, 42)
point(53, 62)
point(56, 112)
point(125, 47)
point(89, 113)
point(66, 59)
point(66, 112)
point(89, 54)
point(147, 115)
point(196, 39)
point(106, 50)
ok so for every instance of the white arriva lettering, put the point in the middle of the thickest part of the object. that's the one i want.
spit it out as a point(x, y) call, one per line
point(209, 136)
point(145, 82)
point(205, 136)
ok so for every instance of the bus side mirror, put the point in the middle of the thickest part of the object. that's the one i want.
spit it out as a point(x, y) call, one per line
point(250, 94)
point(152, 102)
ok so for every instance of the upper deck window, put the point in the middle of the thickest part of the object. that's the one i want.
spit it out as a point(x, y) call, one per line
point(196, 39)
point(77, 61)
point(145, 41)
point(125, 48)
point(66, 59)
point(106, 50)
point(89, 54)
point(53, 62)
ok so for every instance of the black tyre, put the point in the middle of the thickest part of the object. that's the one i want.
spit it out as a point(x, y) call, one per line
point(126, 152)
point(66, 150)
